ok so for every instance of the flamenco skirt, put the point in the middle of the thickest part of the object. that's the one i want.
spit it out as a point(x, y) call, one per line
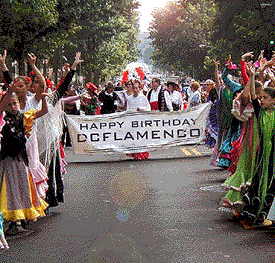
point(226, 158)
point(19, 198)
point(238, 182)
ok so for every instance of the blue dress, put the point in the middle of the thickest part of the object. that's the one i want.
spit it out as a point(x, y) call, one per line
point(229, 127)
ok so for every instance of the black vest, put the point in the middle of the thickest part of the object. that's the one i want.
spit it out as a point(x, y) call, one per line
point(161, 99)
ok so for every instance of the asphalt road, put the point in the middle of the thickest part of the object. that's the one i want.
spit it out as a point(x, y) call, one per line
point(172, 216)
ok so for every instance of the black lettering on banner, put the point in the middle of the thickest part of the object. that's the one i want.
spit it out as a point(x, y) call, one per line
point(115, 137)
point(169, 134)
point(102, 125)
point(157, 122)
point(134, 124)
point(186, 122)
point(82, 126)
point(93, 126)
point(129, 136)
point(105, 135)
point(112, 124)
point(139, 135)
point(148, 123)
point(176, 122)
point(92, 137)
point(195, 133)
point(81, 137)
point(155, 135)
point(193, 121)
point(181, 133)
point(120, 124)
point(166, 122)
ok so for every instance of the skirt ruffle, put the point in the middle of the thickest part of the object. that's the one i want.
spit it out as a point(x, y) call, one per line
point(19, 198)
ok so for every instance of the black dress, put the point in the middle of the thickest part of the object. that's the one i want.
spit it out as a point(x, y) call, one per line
point(108, 101)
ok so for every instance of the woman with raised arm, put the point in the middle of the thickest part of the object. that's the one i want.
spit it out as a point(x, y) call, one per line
point(259, 195)
point(229, 128)
point(249, 142)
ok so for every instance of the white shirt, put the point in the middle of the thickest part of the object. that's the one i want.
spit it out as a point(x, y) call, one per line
point(138, 102)
point(32, 104)
point(176, 98)
point(155, 96)
point(195, 98)
point(123, 96)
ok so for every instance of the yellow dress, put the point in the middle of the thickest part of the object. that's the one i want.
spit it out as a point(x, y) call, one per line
point(19, 198)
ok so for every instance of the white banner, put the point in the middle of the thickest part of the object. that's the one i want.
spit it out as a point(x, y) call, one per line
point(133, 132)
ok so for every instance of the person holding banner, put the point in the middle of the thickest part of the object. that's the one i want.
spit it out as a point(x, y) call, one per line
point(159, 98)
point(90, 103)
point(109, 99)
point(138, 102)
point(176, 97)
point(124, 95)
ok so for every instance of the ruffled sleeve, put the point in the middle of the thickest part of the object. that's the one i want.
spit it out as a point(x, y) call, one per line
point(29, 117)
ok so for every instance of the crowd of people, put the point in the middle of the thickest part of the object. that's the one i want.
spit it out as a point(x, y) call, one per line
point(31, 180)
point(241, 124)
point(240, 130)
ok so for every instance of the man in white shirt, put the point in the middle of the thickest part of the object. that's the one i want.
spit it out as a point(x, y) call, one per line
point(137, 101)
point(159, 98)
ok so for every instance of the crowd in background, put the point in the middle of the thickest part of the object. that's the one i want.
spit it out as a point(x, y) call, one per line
point(240, 130)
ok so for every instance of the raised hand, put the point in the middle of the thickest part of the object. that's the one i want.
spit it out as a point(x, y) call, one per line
point(229, 61)
point(32, 59)
point(251, 69)
point(3, 66)
point(216, 63)
point(247, 55)
point(66, 67)
point(77, 61)
point(261, 56)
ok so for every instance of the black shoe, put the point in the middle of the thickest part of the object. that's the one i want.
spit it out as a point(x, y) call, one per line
point(15, 230)
point(24, 224)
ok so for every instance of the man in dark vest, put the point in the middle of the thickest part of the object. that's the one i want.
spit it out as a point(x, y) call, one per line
point(159, 98)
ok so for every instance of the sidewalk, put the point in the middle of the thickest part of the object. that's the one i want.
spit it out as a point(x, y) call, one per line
point(172, 153)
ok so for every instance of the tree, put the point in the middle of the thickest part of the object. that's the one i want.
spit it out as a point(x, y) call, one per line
point(56, 28)
point(242, 26)
point(178, 32)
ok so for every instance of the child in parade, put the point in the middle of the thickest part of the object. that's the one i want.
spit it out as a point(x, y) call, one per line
point(260, 194)
point(19, 198)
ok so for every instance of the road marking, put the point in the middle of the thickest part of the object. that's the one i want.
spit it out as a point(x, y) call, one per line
point(195, 151)
point(185, 151)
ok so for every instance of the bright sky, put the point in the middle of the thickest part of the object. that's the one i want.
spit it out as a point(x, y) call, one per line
point(145, 12)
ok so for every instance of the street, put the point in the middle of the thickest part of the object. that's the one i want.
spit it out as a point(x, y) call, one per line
point(159, 210)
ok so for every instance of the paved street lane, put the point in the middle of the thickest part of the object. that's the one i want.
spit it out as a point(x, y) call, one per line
point(172, 216)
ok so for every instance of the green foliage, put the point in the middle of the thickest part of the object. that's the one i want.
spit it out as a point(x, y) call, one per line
point(240, 30)
point(104, 30)
point(180, 31)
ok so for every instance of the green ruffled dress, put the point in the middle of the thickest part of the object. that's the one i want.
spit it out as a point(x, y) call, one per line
point(260, 195)
point(245, 167)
